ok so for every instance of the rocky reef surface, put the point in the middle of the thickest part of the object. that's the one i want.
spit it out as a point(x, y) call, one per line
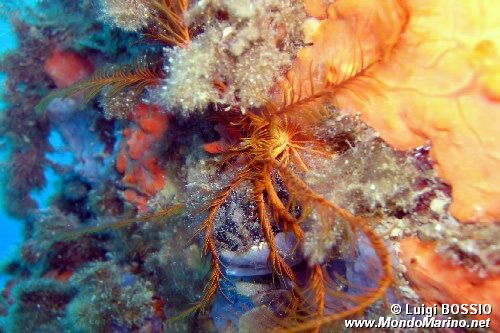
point(249, 165)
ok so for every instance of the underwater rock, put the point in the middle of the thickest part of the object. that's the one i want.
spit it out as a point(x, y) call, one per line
point(307, 204)
point(259, 319)
point(77, 128)
point(382, 181)
point(40, 306)
point(107, 298)
point(104, 200)
point(361, 267)
point(226, 314)
point(241, 298)
point(75, 190)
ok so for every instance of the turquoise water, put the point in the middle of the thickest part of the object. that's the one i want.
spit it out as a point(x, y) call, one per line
point(11, 229)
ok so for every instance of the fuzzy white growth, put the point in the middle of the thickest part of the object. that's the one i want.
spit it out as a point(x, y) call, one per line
point(322, 238)
point(473, 246)
point(380, 178)
point(237, 59)
point(119, 105)
point(190, 85)
point(129, 15)
point(317, 247)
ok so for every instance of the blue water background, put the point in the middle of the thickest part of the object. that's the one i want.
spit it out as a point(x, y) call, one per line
point(10, 228)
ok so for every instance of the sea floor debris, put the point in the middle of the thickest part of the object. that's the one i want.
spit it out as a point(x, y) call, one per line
point(249, 165)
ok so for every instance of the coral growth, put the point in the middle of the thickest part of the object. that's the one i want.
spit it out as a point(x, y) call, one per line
point(51, 258)
point(300, 206)
point(176, 262)
point(27, 131)
point(130, 15)
point(382, 181)
point(109, 297)
point(120, 87)
point(40, 306)
point(235, 60)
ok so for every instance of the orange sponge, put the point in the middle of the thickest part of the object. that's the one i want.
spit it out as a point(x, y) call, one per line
point(138, 158)
point(438, 280)
point(67, 68)
point(417, 71)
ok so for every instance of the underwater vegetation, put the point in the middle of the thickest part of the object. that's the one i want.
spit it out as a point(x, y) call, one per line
point(251, 165)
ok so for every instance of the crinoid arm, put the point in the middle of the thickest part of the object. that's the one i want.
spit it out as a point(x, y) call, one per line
point(121, 223)
point(135, 77)
point(210, 247)
point(325, 299)
point(281, 213)
point(278, 263)
point(170, 28)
